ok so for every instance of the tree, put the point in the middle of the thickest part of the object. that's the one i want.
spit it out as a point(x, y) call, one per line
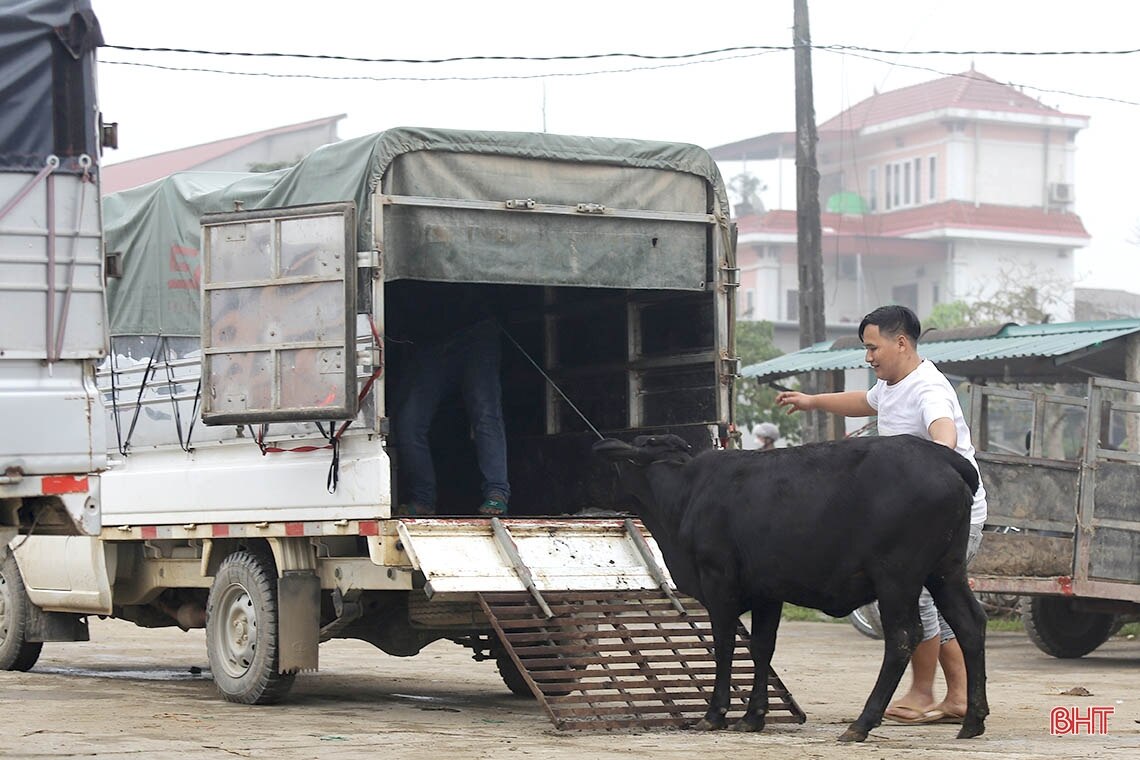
point(948, 315)
point(756, 403)
point(1011, 301)
point(747, 188)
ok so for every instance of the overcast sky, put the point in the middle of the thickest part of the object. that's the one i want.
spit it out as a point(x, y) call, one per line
point(710, 103)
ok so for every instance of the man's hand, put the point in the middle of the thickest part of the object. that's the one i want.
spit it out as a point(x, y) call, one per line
point(795, 401)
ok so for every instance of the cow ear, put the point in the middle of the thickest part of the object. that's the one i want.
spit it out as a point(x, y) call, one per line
point(615, 450)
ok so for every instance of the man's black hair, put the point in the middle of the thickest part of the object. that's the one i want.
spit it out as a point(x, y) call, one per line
point(893, 320)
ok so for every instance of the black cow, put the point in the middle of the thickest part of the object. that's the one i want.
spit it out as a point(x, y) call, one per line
point(830, 526)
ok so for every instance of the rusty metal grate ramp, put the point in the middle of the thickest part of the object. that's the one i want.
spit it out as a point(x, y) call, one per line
point(625, 659)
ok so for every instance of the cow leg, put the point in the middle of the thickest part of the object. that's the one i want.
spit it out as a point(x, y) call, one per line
point(902, 631)
point(724, 612)
point(961, 609)
point(762, 643)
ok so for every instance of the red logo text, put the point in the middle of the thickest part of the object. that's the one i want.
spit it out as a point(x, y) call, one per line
point(1073, 720)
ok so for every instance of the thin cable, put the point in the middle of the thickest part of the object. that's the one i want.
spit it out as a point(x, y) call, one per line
point(483, 78)
point(598, 56)
point(884, 51)
point(988, 79)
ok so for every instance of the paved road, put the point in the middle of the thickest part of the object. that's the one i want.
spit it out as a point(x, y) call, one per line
point(133, 693)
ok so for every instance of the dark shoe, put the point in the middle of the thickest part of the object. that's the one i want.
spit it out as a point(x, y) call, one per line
point(493, 507)
point(415, 509)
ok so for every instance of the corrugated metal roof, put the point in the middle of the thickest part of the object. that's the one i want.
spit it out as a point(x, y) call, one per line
point(1050, 341)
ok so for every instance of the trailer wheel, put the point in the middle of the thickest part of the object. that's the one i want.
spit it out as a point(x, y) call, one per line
point(866, 621)
point(16, 652)
point(241, 631)
point(1060, 631)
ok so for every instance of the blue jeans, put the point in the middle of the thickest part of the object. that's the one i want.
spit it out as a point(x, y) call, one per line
point(469, 359)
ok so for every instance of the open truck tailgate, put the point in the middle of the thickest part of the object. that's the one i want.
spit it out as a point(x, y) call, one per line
point(464, 556)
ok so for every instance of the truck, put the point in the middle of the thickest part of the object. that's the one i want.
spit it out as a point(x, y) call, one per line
point(1062, 470)
point(251, 478)
point(53, 319)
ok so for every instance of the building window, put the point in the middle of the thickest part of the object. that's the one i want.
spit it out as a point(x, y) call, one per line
point(749, 304)
point(903, 184)
point(873, 189)
point(793, 314)
point(935, 293)
point(933, 194)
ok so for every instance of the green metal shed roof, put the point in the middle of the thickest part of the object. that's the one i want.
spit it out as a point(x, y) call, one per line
point(1063, 352)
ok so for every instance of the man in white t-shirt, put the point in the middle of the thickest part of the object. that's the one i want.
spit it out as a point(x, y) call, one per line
point(912, 396)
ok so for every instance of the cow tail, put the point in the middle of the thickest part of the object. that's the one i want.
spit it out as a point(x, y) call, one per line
point(968, 472)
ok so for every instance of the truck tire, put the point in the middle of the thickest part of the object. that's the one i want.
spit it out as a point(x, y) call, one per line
point(16, 652)
point(241, 631)
point(1060, 631)
point(866, 621)
point(512, 676)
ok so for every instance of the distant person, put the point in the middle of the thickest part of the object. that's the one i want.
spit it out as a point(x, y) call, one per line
point(766, 434)
point(912, 396)
point(451, 341)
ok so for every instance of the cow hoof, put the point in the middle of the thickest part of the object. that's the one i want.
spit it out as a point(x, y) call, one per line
point(853, 734)
point(704, 724)
point(970, 729)
point(749, 725)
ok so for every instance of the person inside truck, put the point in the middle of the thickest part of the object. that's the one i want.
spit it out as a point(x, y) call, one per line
point(912, 396)
point(448, 337)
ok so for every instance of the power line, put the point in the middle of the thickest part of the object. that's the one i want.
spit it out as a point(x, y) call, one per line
point(967, 75)
point(458, 59)
point(480, 78)
point(837, 50)
point(884, 51)
point(596, 56)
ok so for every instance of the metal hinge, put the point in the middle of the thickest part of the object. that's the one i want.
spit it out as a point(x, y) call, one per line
point(729, 367)
point(521, 204)
point(730, 276)
point(591, 208)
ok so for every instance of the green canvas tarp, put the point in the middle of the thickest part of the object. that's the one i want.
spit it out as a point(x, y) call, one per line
point(156, 227)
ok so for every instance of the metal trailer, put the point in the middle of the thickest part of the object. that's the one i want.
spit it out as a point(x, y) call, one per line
point(1061, 473)
point(53, 325)
point(272, 525)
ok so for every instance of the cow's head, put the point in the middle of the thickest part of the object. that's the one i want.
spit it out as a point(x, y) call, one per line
point(645, 450)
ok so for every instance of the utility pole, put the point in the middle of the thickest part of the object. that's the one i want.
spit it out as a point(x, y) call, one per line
point(809, 243)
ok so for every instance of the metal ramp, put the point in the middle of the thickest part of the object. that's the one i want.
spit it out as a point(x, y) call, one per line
point(623, 659)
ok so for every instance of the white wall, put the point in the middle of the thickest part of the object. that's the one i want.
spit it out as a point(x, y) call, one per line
point(980, 269)
point(1011, 173)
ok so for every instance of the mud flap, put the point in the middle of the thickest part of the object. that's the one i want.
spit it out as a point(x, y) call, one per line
point(298, 620)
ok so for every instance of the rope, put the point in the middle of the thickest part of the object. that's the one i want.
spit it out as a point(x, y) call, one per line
point(550, 380)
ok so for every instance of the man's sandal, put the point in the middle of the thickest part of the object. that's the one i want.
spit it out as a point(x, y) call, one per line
point(493, 508)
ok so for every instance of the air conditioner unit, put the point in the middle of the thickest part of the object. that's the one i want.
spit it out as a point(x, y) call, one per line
point(1060, 192)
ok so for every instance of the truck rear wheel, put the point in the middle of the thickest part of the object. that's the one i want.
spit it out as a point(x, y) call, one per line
point(241, 631)
point(1060, 631)
point(16, 652)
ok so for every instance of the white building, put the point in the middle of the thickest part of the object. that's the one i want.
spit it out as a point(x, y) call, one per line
point(950, 190)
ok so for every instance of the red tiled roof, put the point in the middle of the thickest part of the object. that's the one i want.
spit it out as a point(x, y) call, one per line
point(912, 221)
point(970, 90)
point(139, 171)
